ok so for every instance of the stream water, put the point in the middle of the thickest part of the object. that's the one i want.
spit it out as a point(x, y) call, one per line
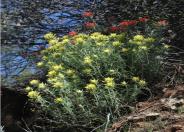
point(24, 23)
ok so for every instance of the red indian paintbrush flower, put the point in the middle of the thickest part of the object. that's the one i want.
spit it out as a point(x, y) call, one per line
point(72, 33)
point(163, 23)
point(114, 28)
point(143, 19)
point(90, 24)
point(124, 23)
point(87, 14)
point(132, 22)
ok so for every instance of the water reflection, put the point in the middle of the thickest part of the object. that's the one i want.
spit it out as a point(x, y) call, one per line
point(24, 23)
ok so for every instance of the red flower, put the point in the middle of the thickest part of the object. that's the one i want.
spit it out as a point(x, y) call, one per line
point(163, 23)
point(72, 33)
point(143, 19)
point(87, 14)
point(90, 24)
point(132, 22)
point(124, 23)
point(114, 28)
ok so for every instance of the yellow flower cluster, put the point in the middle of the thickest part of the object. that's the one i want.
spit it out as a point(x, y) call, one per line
point(58, 100)
point(34, 82)
point(139, 81)
point(87, 60)
point(49, 36)
point(33, 95)
point(109, 82)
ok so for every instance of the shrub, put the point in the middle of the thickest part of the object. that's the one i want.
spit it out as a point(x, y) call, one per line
point(91, 76)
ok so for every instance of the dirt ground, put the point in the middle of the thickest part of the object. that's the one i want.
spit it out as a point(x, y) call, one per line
point(160, 114)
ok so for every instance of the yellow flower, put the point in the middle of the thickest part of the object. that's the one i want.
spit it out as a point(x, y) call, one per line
point(87, 71)
point(143, 47)
point(34, 82)
point(53, 42)
point(87, 60)
point(79, 91)
point(70, 72)
point(41, 86)
point(99, 43)
point(138, 38)
point(49, 36)
point(58, 100)
point(124, 49)
point(109, 82)
point(116, 44)
point(107, 50)
point(91, 87)
point(135, 79)
point(58, 85)
point(33, 95)
point(39, 64)
point(52, 73)
point(142, 83)
point(79, 40)
point(28, 89)
point(124, 83)
point(57, 67)
point(166, 46)
point(65, 41)
point(94, 81)
point(113, 35)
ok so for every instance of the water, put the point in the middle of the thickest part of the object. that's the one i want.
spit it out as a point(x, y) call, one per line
point(24, 23)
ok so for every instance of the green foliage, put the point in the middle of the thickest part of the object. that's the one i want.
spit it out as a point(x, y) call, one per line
point(91, 76)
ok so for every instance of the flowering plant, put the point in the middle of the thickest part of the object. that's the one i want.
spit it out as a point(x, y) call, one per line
point(91, 76)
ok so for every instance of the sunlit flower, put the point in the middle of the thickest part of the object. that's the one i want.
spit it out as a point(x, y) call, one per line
point(124, 49)
point(79, 91)
point(138, 38)
point(87, 60)
point(33, 95)
point(58, 100)
point(58, 84)
point(57, 67)
point(39, 64)
point(65, 41)
point(143, 47)
point(107, 50)
point(109, 82)
point(94, 81)
point(124, 83)
point(91, 87)
point(53, 42)
point(166, 46)
point(87, 14)
point(79, 40)
point(41, 86)
point(52, 73)
point(49, 36)
point(116, 44)
point(135, 79)
point(142, 83)
point(34, 82)
point(72, 33)
point(70, 72)
point(28, 89)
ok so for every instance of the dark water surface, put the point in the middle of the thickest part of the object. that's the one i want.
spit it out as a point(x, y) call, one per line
point(24, 23)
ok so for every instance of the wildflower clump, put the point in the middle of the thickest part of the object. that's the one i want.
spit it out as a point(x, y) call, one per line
point(90, 75)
